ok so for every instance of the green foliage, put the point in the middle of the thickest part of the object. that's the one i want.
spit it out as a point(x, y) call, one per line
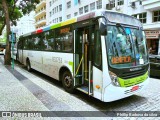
point(17, 8)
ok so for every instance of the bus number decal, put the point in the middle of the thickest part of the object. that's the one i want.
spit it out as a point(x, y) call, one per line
point(57, 59)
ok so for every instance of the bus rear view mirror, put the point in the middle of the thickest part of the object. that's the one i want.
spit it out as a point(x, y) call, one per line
point(103, 29)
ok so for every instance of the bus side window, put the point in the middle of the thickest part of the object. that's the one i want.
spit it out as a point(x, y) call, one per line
point(58, 46)
point(50, 40)
point(97, 50)
point(25, 43)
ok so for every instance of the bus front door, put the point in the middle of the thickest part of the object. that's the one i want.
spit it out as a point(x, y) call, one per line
point(83, 59)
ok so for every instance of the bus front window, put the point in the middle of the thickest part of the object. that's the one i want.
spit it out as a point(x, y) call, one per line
point(126, 47)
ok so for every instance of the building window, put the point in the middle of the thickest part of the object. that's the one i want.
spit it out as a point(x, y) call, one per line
point(112, 3)
point(81, 10)
point(69, 16)
point(50, 3)
point(60, 19)
point(156, 16)
point(50, 14)
point(57, 8)
point(140, 2)
point(76, 13)
point(86, 8)
point(60, 7)
point(142, 17)
point(136, 16)
point(99, 4)
point(69, 4)
point(92, 6)
point(120, 2)
point(53, 10)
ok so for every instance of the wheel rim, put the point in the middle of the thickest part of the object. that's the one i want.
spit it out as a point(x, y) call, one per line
point(68, 81)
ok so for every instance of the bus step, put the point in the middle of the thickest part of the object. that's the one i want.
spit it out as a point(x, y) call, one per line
point(83, 89)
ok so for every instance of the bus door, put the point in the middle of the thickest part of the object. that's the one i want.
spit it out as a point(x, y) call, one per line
point(84, 41)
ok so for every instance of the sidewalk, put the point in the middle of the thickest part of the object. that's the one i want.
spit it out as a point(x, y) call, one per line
point(23, 91)
point(14, 96)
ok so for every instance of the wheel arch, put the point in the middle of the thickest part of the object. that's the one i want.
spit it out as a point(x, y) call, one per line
point(27, 59)
point(62, 70)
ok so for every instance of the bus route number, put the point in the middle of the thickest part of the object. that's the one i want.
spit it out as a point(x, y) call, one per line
point(57, 59)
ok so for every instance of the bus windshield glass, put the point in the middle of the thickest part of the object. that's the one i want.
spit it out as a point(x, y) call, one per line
point(126, 46)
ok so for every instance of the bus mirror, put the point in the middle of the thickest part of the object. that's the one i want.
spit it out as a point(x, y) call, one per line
point(103, 29)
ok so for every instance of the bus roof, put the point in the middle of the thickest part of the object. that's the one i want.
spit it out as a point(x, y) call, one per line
point(81, 18)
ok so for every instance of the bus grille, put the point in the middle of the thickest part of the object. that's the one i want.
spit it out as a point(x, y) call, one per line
point(132, 74)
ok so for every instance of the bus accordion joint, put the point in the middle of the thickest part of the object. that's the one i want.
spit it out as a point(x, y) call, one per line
point(121, 60)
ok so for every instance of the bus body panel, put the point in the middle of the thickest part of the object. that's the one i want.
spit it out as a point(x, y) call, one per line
point(20, 55)
point(35, 58)
point(49, 63)
point(106, 78)
point(97, 83)
point(111, 94)
point(53, 61)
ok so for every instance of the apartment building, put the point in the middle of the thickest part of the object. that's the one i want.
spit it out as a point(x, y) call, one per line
point(147, 11)
point(61, 10)
point(24, 25)
point(40, 16)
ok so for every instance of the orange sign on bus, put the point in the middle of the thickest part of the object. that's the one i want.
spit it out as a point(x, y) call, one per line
point(121, 60)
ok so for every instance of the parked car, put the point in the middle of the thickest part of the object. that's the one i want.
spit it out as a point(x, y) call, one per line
point(154, 65)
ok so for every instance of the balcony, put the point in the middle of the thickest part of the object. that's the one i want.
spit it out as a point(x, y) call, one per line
point(151, 4)
point(40, 14)
point(41, 4)
point(40, 23)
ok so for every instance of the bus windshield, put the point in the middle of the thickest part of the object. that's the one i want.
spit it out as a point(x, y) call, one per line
point(126, 46)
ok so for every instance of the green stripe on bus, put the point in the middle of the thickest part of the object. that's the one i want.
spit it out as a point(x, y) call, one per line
point(56, 26)
point(132, 81)
point(71, 64)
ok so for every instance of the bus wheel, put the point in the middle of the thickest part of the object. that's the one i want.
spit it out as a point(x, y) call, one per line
point(28, 66)
point(67, 82)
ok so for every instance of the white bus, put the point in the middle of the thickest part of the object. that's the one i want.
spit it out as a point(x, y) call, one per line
point(102, 54)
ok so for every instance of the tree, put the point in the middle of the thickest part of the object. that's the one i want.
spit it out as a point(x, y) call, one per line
point(12, 10)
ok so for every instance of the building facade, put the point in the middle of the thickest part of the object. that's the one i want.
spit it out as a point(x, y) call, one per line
point(40, 16)
point(147, 11)
point(25, 24)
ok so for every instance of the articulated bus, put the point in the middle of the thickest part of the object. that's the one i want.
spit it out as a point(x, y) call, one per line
point(102, 54)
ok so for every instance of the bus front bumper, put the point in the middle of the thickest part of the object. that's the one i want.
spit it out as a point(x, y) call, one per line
point(112, 93)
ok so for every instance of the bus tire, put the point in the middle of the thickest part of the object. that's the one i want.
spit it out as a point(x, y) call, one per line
point(29, 66)
point(67, 81)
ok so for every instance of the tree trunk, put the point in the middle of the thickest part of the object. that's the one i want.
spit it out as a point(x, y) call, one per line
point(7, 60)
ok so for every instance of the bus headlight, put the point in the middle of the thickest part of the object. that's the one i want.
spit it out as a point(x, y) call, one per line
point(114, 78)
